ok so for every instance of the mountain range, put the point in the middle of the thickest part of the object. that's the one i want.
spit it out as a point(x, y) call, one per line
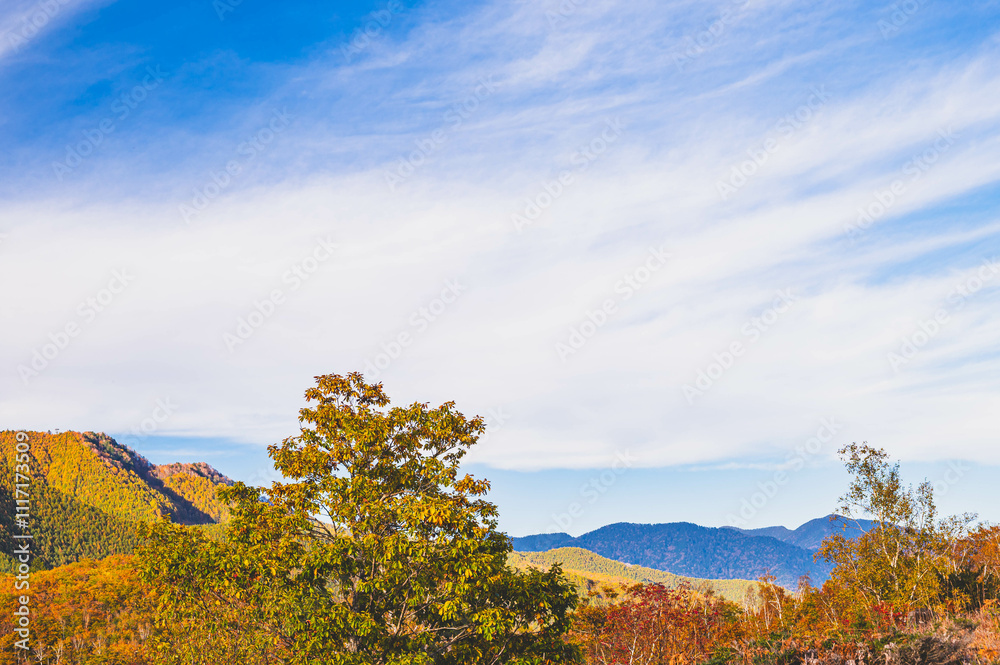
point(811, 535)
point(89, 493)
point(690, 550)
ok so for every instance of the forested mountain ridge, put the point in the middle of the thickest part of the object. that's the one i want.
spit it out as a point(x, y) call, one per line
point(195, 483)
point(88, 493)
point(690, 550)
point(812, 534)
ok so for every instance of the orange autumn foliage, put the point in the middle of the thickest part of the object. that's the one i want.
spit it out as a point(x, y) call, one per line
point(85, 612)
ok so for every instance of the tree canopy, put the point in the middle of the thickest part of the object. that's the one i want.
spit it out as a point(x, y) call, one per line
point(903, 560)
point(374, 549)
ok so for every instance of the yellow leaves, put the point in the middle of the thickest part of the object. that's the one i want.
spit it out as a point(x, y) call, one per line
point(89, 599)
point(449, 609)
point(411, 564)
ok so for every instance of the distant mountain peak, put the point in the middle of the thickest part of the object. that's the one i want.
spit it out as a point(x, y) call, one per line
point(201, 469)
point(121, 456)
point(113, 453)
point(812, 534)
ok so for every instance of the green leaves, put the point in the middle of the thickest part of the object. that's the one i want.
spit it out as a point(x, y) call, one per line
point(374, 550)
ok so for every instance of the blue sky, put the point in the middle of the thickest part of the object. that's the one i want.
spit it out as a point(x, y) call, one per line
point(692, 232)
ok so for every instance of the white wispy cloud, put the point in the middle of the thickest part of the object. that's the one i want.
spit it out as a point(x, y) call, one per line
point(22, 22)
point(655, 186)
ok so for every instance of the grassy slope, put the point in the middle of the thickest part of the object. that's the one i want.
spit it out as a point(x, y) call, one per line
point(582, 565)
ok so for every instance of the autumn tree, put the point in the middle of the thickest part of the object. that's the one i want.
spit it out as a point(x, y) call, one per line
point(975, 580)
point(653, 624)
point(901, 561)
point(374, 550)
point(767, 602)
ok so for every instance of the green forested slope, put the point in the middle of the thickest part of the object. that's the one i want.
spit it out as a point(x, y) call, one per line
point(65, 529)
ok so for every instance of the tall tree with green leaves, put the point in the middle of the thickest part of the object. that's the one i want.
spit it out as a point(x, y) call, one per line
point(374, 550)
point(902, 560)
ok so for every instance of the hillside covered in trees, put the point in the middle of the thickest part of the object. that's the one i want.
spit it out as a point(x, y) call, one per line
point(89, 493)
